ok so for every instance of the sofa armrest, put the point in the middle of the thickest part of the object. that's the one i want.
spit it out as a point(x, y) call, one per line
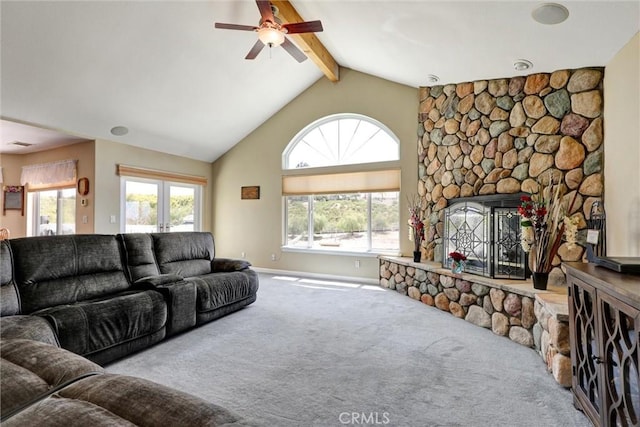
point(34, 328)
point(180, 297)
point(159, 280)
point(228, 264)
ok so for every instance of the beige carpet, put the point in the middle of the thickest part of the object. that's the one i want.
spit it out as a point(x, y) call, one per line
point(315, 353)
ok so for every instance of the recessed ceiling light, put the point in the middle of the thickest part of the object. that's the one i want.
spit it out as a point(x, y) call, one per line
point(522, 64)
point(431, 78)
point(119, 130)
point(550, 13)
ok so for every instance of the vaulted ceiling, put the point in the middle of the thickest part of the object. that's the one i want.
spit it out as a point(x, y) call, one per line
point(182, 87)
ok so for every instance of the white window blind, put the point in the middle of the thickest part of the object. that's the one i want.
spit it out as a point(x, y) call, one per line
point(50, 175)
point(348, 182)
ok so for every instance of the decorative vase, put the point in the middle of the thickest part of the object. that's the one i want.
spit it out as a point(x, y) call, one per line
point(416, 256)
point(457, 267)
point(540, 280)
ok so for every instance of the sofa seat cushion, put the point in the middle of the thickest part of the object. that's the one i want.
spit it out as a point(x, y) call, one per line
point(217, 290)
point(31, 369)
point(91, 326)
point(120, 400)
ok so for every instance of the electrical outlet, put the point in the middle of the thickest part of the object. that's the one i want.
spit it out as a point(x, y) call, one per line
point(242, 254)
point(273, 257)
point(357, 263)
point(85, 219)
point(112, 219)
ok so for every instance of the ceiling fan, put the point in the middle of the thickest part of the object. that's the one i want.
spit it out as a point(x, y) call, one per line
point(272, 33)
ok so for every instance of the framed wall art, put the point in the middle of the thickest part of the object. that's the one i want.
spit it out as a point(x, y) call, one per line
point(252, 192)
point(13, 198)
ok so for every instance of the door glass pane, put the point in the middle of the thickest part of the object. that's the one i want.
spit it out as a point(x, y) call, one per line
point(47, 213)
point(67, 211)
point(141, 214)
point(385, 220)
point(182, 208)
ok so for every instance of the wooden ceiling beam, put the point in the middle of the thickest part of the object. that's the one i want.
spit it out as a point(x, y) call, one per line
point(308, 42)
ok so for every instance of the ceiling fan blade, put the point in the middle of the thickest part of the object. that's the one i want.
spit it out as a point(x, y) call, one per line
point(235, 27)
point(265, 10)
point(293, 50)
point(255, 50)
point(303, 27)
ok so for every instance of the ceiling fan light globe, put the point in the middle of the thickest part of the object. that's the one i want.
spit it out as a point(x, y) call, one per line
point(271, 36)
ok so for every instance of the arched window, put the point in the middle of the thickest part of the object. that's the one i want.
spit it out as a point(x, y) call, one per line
point(341, 183)
point(341, 139)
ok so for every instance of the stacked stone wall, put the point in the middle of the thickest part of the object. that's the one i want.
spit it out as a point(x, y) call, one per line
point(551, 335)
point(518, 317)
point(511, 135)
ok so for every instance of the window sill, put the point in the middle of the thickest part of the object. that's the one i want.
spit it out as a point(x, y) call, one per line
point(341, 252)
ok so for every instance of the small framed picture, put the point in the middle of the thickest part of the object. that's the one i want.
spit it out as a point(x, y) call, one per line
point(252, 192)
point(13, 198)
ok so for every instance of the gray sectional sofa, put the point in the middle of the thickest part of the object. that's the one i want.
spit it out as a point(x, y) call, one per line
point(103, 297)
point(42, 385)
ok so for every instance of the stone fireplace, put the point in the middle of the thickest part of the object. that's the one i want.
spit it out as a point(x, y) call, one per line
point(507, 136)
point(486, 229)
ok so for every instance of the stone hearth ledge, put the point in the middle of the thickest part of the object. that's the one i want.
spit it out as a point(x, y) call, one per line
point(531, 317)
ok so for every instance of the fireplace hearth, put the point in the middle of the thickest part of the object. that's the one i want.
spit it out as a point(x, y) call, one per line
point(486, 229)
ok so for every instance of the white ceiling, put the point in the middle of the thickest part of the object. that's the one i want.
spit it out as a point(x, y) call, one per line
point(183, 87)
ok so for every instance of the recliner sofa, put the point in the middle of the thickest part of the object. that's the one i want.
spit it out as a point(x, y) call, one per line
point(106, 296)
point(222, 285)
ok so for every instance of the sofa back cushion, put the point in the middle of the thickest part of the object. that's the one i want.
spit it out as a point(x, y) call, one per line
point(9, 302)
point(139, 258)
point(31, 370)
point(55, 270)
point(186, 254)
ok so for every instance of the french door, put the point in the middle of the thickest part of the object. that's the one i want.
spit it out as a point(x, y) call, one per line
point(149, 206)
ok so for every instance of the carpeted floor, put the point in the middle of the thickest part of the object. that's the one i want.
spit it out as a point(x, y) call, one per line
point(325, 353)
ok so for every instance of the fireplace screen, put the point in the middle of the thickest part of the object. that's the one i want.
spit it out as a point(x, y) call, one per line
point(488, 233)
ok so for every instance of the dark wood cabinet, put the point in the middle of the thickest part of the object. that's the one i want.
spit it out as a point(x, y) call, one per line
point(604, 328)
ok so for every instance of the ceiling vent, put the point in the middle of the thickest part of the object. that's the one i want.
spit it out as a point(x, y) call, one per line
point(21, 144)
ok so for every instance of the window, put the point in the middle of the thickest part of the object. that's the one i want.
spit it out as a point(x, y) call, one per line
point(340, 183)
point(51, 197)
point(354, 222)
point(341, 139)
point(52, 212)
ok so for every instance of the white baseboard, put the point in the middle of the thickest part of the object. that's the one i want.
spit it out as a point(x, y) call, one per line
point(366, 280)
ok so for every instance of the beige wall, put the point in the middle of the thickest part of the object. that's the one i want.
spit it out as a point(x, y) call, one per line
point(622, 150)
point(109, 154)
point(12, 169)
point(97, 161)
point(255, 226)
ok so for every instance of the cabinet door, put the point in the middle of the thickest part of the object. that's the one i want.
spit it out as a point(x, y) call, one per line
point(584, 348)
point(619, 331)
